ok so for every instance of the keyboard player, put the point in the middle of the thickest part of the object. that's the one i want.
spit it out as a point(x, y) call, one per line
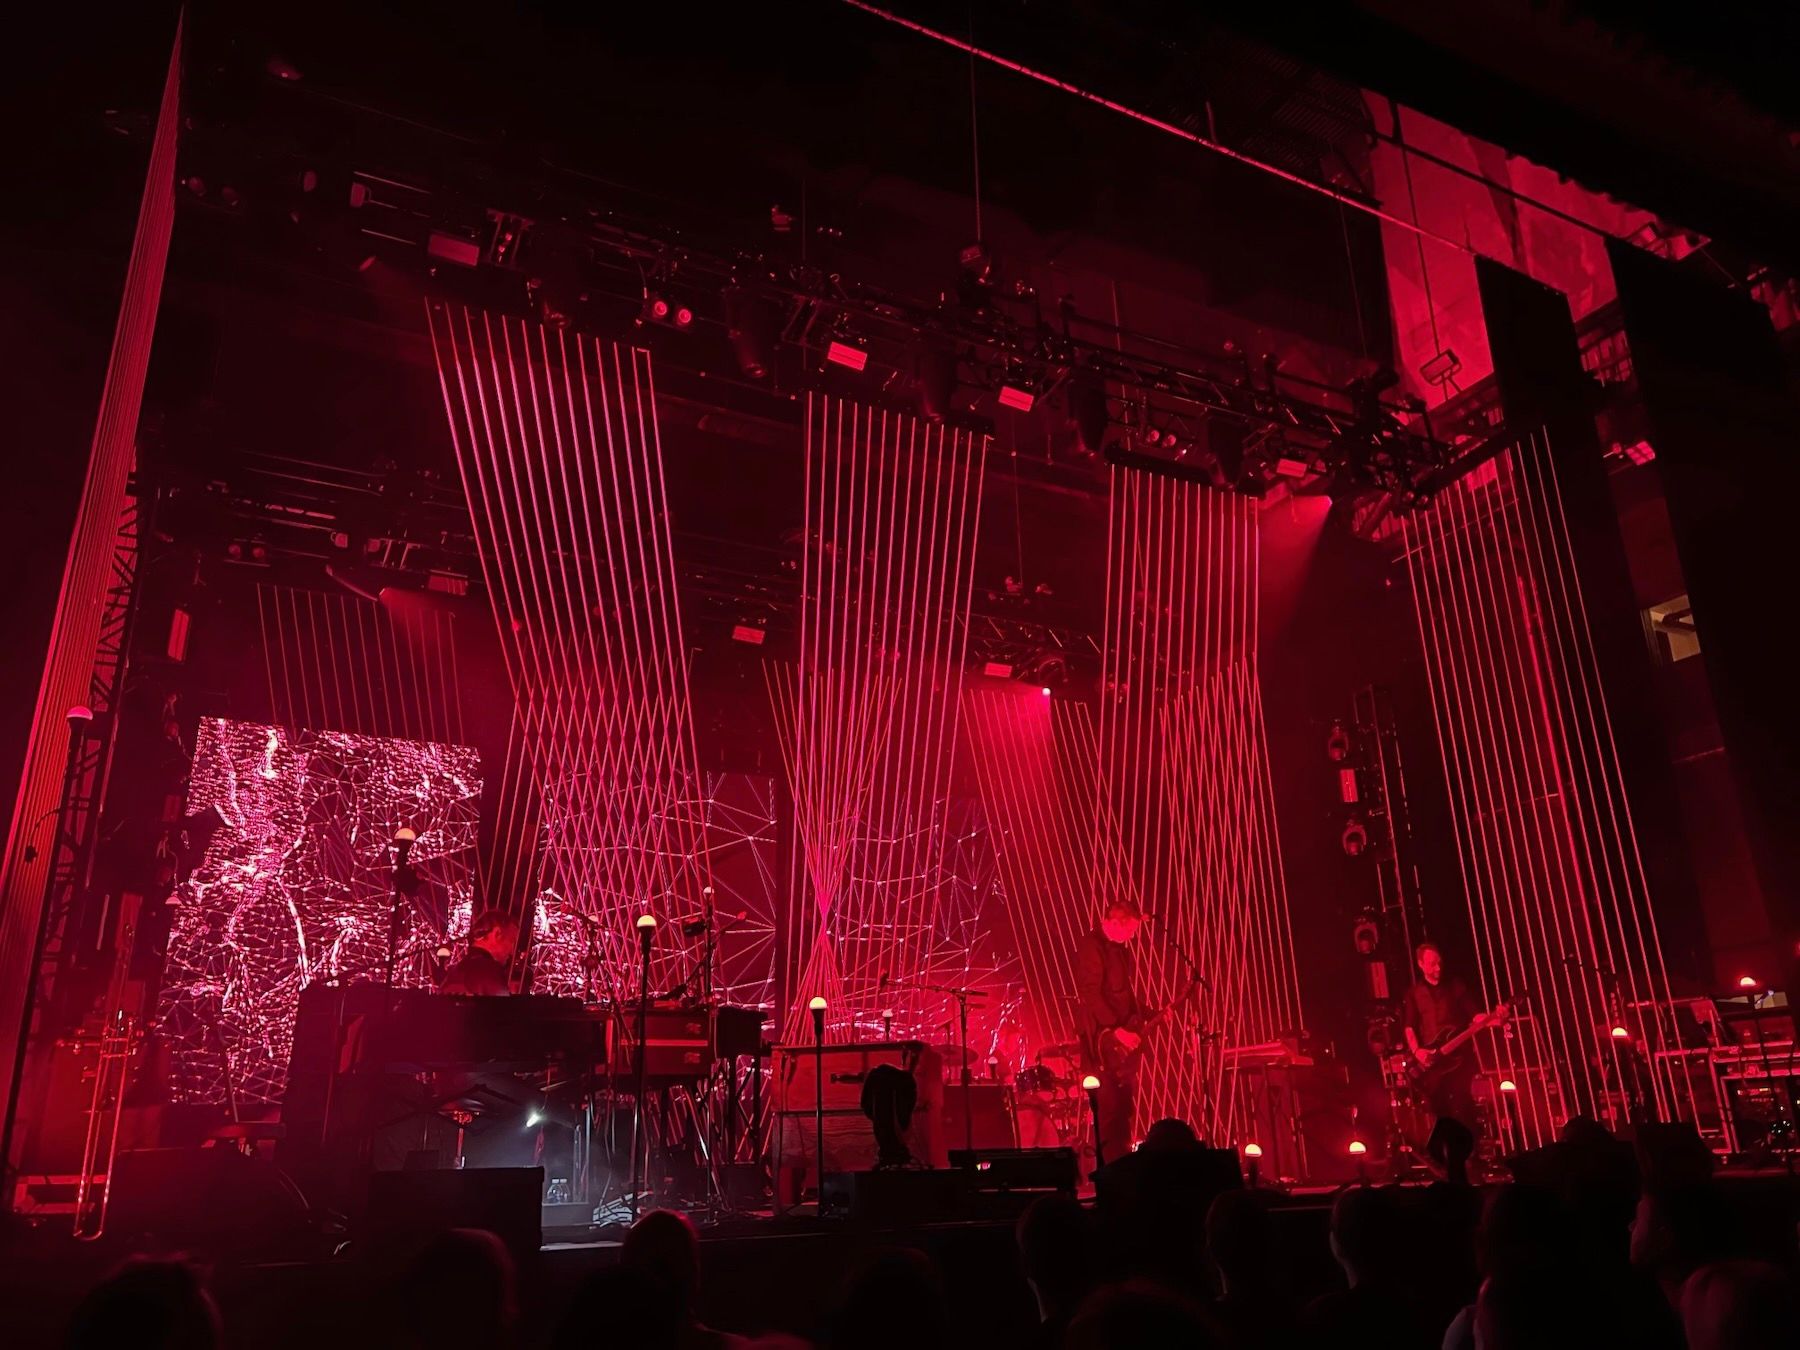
point(493, 938)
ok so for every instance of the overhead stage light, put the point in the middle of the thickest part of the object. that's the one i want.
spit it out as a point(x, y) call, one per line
point(750, 326)
point(846, 355)
point(934, 370)
point(1016, 397)
point(1087, 410)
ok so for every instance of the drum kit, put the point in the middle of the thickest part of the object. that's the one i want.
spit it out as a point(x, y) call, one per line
point(1048, 1105)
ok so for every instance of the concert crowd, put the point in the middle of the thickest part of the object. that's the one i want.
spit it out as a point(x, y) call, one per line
point(1600, 1243)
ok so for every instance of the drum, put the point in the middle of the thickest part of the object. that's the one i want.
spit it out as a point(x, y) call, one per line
point(1038, 1078)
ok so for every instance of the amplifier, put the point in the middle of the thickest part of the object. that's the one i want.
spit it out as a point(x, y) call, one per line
point(990, 1107)
point(678, 1041)
point(847, 1069)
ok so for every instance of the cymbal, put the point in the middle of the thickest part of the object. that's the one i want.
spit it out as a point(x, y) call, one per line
point(1067, 1050)
point(954, 1054)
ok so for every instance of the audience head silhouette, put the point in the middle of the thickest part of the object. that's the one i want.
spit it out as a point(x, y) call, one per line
point(150, 1305)
point(1140, 1316)
point(1055, 1251)
point(1170, 1135)
point(460, 1287)
point(1365, 1233)
point(894, 1301)
point(1739, 1305)
point(664, 1246)
point(1240, 1236)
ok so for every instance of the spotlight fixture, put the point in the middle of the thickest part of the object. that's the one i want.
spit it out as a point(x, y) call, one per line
point(934, 371)
point(1087, 410)
point(1746, 982)
point(846, 354)
point(1507, 1085)
point(1253, 1150)
point(1337, 744)
point(1621, 1034)
point(1045, 691)
point(655, 309)
point(750, 327)
point(1358, 1149)
point(1090, 1084)
point(1355, 838)
point(1017, 397)
point(1443, 367)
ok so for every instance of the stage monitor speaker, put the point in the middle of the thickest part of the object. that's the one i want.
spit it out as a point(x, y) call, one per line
point(406, 1207)
point(904, 1197)
point(991, 1105)
point(204, 1196)
point(1020, 1169)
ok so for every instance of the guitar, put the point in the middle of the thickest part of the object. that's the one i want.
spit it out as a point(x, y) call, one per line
point(1120, 1061)
point(1445, 1047)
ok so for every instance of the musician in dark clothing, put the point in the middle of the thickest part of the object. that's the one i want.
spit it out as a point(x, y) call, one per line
point(485, 971)
point(1436, 1008)
point(1111, 1021)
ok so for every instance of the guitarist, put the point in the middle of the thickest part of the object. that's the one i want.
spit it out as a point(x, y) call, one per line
point(1436, 1009)
point(1112, 1020)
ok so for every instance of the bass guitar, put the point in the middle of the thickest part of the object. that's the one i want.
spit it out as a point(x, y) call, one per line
point(1446, 1047)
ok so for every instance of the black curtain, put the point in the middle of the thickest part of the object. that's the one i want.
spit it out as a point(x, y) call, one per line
point(1722, 420)
point(1537, 368)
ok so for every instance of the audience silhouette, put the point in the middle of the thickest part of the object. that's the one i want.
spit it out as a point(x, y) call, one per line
point(1594, 1245)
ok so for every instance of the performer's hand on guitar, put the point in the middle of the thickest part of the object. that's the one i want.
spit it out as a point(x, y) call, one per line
point(1424, 1055)
point(1128, 1039)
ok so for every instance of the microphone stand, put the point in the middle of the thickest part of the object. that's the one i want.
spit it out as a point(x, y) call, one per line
point(1780, 1126)
point(1193, 968)
point(640, 1143)
point(405, 881)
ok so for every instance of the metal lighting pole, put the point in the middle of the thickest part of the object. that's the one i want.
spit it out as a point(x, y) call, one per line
point(646, 931)
point(817, 1007)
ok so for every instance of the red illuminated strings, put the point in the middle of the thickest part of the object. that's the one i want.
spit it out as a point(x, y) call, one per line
point(1185, 820)
point(556, 438)
point(869, 715)
point(1558, 899)
point(1034, 761)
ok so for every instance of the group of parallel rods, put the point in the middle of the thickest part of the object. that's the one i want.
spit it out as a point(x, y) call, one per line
point(557, 441)
point(1557, 894)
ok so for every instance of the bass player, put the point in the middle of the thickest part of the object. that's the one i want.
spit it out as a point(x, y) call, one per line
point(1436, 1010)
